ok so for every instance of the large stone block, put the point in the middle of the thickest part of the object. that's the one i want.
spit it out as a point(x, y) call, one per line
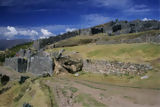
point(40, 65)
point(17, 64)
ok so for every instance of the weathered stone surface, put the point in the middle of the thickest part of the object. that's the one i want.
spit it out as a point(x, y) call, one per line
point(72, 65)
point(28, 61)
point(40, 65)
point(27, 53)
point(17, 63)
point(85, 31)
point(57, 55)
point(146, 38)
point(68, 63)
point(36, 44)
point(98, 66)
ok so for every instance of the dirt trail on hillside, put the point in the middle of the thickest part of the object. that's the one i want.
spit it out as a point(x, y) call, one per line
point(91, 94)
point(72, 92)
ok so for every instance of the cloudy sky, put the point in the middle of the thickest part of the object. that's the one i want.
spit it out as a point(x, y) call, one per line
point(32, 19)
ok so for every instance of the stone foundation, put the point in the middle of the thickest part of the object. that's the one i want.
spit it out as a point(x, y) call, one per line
point(106, 67)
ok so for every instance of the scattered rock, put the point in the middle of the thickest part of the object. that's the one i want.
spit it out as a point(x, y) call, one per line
point(4, 79)
point(27, 105)
point(72, 65)
point(114, 68)
point(76, 74)
point(144, 77)
point(23, 79)
point(46, 75)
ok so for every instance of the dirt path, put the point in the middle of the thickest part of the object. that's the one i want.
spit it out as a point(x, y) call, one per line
point(78, 93)
point(72, 92)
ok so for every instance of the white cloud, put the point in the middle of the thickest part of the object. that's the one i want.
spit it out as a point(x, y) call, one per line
point(111, 3)
point(95, 19)
point(137, 10)
point(45, 33)
point(28, 32)
point(11, 31)
point(146, 19)
point(70, 29)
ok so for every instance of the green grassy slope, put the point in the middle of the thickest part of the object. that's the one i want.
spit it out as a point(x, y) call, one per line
point(138, 53)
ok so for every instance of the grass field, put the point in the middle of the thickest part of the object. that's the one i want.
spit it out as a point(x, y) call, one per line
point(137, 53)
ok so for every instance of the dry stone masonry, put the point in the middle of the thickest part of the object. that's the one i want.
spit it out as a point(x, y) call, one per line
point(108, 67)
point(30, 61)
point(111, 28)
point(42, 63)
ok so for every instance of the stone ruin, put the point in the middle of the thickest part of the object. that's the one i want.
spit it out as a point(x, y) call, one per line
point(111, 28)
point(42, 63)
point(114, 67)
point(30, 61)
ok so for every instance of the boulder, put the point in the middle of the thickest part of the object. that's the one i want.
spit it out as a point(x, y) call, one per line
point(4, 79)
point(72, 65)
point(23, 79)
point(144, 77)
point(27, 105)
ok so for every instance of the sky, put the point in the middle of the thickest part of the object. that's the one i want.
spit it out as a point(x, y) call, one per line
point(33, 19)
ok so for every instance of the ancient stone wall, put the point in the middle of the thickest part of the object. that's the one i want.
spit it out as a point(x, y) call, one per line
point(146, 38)
point(26, 61)
point(112, 28)
point(107, 67)
point(16, 63)
point(12, 63)
point(40, 65)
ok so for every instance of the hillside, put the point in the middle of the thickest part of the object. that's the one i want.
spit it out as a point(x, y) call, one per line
point(4, 44)
point(112, 28)
point(97, 70)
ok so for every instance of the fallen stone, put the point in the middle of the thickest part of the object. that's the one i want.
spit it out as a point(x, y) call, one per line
point(27, 105)
point(76, 74)
point(23, 79)
point(5, 79)
point(72, 65)
point(144, 77)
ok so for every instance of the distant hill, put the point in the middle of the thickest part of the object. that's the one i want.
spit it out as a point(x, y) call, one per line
point(10, 43)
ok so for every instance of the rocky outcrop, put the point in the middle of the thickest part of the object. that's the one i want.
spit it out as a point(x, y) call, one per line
point(66, 63)
point(71, 65)
point(107, 67)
